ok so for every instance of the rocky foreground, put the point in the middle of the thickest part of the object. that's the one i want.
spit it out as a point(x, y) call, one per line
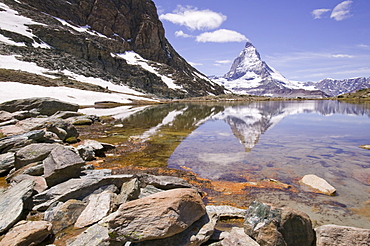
point(53, 197)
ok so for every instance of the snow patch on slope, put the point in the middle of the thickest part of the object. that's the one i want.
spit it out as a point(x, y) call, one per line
point(81, 29)
point(133, 58)
point(13, 22)
point(14, 90)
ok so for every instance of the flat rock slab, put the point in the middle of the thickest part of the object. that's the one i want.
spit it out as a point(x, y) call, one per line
point(27, 233)
point(44, 105)
point(16, 142)
point(318, 184)
point(13, 203)
point(6, 162)
point(157, 216)
point(334, 235)
point(226, 211)
point(164, 182)
point(33, 153)
point(99, 206)
point(76, 189)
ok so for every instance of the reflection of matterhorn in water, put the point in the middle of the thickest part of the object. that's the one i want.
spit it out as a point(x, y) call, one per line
point(248, 123)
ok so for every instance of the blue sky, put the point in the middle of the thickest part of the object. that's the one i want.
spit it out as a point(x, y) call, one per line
point(305, 40)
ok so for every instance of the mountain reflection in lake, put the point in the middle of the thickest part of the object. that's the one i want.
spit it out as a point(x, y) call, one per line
point(241, 144)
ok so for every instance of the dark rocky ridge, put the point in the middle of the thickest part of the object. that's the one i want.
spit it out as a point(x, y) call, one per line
point(127, 25)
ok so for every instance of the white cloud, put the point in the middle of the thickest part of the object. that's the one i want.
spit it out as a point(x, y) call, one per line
point(341, 56)
point(318, 13)
point(364, 46)
point(342, 11)
point(182, 34)
point(221, 36)
point(195, 19)
point(223, 62)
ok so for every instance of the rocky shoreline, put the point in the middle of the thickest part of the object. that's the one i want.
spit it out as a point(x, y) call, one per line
point(55, 198)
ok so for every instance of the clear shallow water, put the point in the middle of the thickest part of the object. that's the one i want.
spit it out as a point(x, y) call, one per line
point(242, 144)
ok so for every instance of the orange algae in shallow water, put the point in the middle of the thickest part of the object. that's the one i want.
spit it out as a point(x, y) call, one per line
point(364, 210)
point(228, 187)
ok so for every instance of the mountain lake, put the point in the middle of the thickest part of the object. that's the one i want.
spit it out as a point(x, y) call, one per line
point(258, 150)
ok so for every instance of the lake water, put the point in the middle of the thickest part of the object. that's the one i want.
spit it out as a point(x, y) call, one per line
point(259, 151)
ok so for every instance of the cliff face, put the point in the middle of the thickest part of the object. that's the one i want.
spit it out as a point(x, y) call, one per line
point(111, 27)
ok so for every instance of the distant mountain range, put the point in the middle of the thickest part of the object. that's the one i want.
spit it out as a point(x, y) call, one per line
point(250, 75)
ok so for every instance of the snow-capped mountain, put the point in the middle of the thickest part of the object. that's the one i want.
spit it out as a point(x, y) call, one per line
point(117, 45)
point(250, 75)
point(335, 87)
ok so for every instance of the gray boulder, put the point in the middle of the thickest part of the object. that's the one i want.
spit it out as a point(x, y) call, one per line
point(33, 153)
point(44, 105)
point(27, 233)
point(86, 152)
point(129, 191)
point(14, 203)
point(274, 226)
point(334, 235)
point(30, 168)
point(98, 147)
point(149, 190)
point(195, 235)
point(62, 164)
point(238, 237)
point(96, 235)
point(6, 162)
point(76, 189)
point(64, 215)
point(40, 182)
point(5, 116)
point(156, 216)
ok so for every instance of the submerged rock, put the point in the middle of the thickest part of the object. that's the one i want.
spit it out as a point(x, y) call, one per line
point(318, 184)
point(334, 235)
point(157, 216)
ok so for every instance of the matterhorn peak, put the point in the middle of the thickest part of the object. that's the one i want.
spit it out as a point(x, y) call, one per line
point(250, 75)
point(249, 60)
